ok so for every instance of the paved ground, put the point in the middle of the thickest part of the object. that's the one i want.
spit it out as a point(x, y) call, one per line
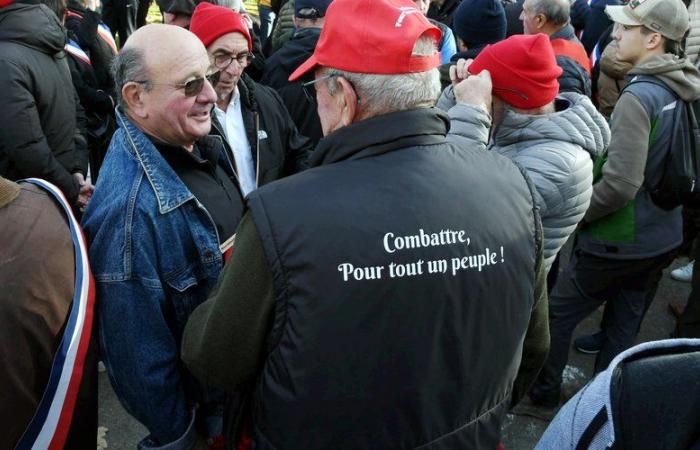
point(520, 433)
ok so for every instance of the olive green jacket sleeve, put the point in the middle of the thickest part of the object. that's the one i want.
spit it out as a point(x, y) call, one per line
point(224, 339)
point(536, 344)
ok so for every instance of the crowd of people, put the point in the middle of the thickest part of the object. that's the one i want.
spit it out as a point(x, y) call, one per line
point(339, 224)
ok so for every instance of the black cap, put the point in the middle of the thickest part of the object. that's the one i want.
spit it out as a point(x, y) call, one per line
point(310, 9)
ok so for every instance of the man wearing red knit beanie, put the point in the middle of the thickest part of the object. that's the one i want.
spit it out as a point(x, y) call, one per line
point(553, 137)
point(261, 140)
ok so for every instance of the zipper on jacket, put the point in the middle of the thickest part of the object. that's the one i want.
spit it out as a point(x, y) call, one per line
point(230, 163)
point(257, 148)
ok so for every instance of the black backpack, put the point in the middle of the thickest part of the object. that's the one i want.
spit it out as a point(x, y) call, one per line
point(679, 184)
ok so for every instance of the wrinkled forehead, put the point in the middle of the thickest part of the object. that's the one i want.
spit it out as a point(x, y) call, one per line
point(232, 43)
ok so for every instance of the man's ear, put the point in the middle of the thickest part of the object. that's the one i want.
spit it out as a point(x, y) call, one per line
point(133, 95)
point(294, 21)
point(348, 100)
point(540, 20)
point(654, 41)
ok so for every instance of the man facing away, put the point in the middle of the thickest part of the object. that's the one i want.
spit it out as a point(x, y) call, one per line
point(354, 312)
point(626, 240)
point(553, 137)
point(164, 212)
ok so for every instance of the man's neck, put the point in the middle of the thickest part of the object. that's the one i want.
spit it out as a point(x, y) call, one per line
point(222, 103)
point(646, 56)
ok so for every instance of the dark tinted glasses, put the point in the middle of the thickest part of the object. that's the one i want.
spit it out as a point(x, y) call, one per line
point(192, 87)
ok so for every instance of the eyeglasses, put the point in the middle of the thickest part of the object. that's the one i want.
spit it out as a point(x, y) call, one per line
point(192, 87)
point(222, 61)
point(308, 13)
point(311, 93)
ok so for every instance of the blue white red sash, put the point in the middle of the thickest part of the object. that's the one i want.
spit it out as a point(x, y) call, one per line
point(74, 49)
point(103, 32)
point(49, 426)
point(106, 34)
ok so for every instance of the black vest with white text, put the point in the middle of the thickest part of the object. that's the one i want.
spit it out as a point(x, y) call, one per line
point(404, 270)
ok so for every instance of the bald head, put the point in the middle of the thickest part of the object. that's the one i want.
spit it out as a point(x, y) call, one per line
point(163, 45)
point(160, 76)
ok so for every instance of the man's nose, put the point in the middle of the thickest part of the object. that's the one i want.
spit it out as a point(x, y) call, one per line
point(208, 94)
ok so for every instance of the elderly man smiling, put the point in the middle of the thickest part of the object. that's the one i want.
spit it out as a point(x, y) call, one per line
point(161, 218)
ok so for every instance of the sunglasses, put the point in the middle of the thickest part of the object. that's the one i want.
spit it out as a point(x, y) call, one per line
point(192, 87)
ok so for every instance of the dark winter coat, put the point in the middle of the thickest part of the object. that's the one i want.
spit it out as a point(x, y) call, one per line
point(444, 12)
point(597, 22)
point(300, 101)
point(574, 77)
point(39, 109)
point(277, 147)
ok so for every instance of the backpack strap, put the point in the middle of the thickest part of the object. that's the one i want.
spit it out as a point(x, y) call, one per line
point(592, 429)
point(649, 79)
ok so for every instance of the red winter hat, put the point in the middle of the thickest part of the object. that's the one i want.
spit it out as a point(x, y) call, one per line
point(372, 36)
point(210, 22)
point(523, 69)
point(4, 3)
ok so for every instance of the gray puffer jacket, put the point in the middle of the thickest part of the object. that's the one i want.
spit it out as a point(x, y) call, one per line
point(556, 150)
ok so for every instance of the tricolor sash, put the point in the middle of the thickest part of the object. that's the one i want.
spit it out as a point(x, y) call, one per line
point(74, 49)
point(106, 34)
point(49, 426)
point(103, 32)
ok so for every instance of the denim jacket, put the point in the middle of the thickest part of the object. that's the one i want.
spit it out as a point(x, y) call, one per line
point(155, 255)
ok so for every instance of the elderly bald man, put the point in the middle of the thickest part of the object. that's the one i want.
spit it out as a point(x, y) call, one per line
point(163, 214)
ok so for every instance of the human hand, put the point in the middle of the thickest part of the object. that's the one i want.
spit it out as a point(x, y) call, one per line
point(470, 89)
point(460, 71)
point(85, 192)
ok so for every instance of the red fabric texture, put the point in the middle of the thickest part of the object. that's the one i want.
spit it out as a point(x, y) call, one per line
point(372, 36)
point(210, 22)
point(4, 3)
point(523, 69)
point(572, 50)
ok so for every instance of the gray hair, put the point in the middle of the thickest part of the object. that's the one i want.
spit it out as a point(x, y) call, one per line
point(230, 4)
point(129, 65)
point(556, 11)
point(382, 94)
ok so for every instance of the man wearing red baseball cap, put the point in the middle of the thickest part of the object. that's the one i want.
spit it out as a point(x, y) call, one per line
point(382, 298)
point(261, 140)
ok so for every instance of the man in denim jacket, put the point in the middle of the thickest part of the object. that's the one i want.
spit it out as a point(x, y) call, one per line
point(163, 214)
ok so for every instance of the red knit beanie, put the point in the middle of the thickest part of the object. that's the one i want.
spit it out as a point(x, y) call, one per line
point(210, 22)
point(523, 69)
point(4, 3)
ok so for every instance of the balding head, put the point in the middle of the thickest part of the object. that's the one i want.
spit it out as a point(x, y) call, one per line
point(151, 73)
point(162, 45)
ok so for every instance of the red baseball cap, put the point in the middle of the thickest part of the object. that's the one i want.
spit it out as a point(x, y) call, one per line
point(372, 36)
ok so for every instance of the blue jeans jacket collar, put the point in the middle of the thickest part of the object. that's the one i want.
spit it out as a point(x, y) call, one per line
point(170, 191)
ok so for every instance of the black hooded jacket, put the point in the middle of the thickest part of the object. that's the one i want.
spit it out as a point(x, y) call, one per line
point(39, 109)
point(444, 12)
point(277, 147)
point(300, 101)
point(574, 78)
